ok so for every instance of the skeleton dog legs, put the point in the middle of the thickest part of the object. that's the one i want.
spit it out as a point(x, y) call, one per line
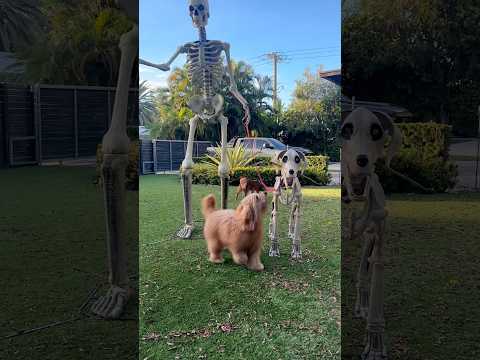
point(375, 348)
point(296, 251)
point(187, 165)
point(273, 229)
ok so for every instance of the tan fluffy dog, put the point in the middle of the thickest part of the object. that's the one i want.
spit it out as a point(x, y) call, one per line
point(239, 230)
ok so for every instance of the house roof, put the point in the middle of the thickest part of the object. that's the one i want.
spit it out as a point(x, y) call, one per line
point(390, 109)
point(334, 76)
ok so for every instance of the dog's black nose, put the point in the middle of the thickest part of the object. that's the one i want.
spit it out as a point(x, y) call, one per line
point(291, 172)
point(362, 160)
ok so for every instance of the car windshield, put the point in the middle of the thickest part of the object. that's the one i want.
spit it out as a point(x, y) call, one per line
point(277, 145)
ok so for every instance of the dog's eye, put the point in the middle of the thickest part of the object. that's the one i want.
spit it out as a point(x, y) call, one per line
point(201, 8)
point(285, 159)
point(376, 132)
point(297, 159)
point(347, 131)
point(191, 8)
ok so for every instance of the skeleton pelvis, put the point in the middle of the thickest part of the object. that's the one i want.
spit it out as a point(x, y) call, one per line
point(205, 107)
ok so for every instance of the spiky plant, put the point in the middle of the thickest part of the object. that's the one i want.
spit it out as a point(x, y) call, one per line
point(237, 157)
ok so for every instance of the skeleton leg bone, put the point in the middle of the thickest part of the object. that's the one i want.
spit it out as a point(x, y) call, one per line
point(116, 147)
point(363, 283)
point(223, 168)
point(375, 348)
point(273, 228)
point(291, 222)
point(296, 208)
point(187, 165)
point(296, 250)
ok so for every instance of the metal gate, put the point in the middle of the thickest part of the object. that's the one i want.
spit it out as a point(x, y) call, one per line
point(167, 155)
point(51, 122)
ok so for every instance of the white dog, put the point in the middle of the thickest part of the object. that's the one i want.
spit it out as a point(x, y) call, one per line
point(364, 137)
point(287, 189)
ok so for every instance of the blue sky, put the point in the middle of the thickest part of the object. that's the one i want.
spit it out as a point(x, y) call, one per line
point(307, 31)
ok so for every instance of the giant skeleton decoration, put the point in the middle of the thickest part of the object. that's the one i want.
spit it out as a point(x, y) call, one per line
point(287, 191)
point(205, 72)
point(364, 136)
point(115, 146)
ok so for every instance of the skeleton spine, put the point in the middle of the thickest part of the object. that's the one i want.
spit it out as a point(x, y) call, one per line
point(207, 81)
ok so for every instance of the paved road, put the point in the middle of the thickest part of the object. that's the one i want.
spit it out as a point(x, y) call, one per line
point(334, 170)
point(466, 168)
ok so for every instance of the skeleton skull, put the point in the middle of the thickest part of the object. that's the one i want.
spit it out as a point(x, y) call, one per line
point(199, 12)
point(292, 163)
point(363, 136)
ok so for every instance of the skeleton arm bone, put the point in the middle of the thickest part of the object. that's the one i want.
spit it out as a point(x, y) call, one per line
point(166, 66)
point(233, 87)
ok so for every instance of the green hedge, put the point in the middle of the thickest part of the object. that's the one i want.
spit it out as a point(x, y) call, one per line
point(423, 157)
point(131, 172)
point(316, 171)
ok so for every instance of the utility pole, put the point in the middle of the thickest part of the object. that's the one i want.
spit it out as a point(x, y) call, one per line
point(276, 58)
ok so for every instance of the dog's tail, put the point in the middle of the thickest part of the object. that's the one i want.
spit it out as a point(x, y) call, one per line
point(208, 205)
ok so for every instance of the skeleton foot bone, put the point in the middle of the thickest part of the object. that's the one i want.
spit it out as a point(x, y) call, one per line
point(112, 305)
point(375, 348)
point(185, 232)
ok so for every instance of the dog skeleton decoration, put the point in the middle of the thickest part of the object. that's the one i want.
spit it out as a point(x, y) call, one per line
point(287, 191)
point(205, 72)
point(115, 146)
point(364, 136)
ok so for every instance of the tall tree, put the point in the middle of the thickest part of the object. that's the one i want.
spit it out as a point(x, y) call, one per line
point(21, 21)
point(423, 55)
point(79, 44)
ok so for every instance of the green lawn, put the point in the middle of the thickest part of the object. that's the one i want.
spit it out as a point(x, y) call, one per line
point(53, 253)
point(192, 309)
point(431, 279)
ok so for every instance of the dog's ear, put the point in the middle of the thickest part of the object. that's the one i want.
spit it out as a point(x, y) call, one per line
point(395, 136)
point(248, 216)
point(278, 158)
point(345, 114)
point(303, 160)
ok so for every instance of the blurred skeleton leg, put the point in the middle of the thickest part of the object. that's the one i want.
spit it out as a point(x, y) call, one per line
point(223, 168)
point(116, 148)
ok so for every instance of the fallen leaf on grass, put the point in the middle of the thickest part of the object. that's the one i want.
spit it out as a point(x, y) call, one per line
point(227, 327)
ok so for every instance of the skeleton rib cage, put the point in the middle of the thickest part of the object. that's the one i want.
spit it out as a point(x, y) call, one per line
point(205, 66)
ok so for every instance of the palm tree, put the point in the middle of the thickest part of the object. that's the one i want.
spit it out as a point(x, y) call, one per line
point(147, 109)
point(20, 21)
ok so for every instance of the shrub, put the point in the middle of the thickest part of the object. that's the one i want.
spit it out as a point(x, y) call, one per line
point(423, 157)
point(131, 172)
point(315, 173)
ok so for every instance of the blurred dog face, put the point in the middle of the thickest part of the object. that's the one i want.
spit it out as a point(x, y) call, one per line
point(363, 141)
point(292, 164)
point(250, 210)
point(364, 135)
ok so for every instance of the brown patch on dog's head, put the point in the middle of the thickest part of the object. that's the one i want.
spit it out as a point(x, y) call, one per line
point(250, 210)
point(243, 182)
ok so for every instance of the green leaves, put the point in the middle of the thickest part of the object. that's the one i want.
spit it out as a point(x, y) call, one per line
point(237, 157)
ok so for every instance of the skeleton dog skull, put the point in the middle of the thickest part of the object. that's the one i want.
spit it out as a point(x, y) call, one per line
point(292, 164)
point(364, 136)
point(199, 12)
